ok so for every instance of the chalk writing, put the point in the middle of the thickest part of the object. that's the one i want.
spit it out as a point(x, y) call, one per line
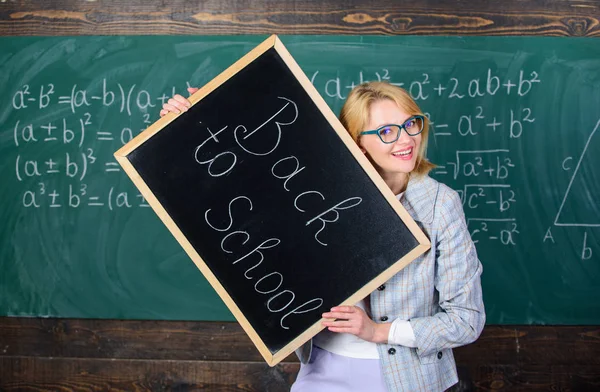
point(253, 258)
point(485, 175)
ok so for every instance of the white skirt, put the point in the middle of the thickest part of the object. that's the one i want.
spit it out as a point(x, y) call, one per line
point(328, 372)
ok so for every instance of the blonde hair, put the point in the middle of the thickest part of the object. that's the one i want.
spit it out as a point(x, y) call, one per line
point(355, 114)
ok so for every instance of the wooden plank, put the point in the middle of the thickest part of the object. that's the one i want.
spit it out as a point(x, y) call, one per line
point(82, 374)
point(543, 345)
point(70, 374)
point(442, 17)
point(126, 339)
point(215, 341)
point(531, 377)
point(132, 355)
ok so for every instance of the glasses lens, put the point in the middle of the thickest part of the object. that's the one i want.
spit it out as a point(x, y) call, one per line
point(414, 126)
point(389, 133)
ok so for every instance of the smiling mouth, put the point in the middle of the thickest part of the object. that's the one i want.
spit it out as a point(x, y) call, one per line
point(403, 153)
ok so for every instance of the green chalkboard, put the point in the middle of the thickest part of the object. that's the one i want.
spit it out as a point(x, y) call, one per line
point(515, 131)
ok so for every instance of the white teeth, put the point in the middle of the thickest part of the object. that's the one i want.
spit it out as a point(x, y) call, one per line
point(402, 153)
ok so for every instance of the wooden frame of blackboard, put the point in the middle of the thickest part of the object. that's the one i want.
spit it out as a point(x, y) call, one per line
point(272, 42)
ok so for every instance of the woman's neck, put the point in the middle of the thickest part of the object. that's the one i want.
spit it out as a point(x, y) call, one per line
point(397, 182)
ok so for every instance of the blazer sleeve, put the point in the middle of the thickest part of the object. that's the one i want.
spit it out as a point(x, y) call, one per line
point(457, 280)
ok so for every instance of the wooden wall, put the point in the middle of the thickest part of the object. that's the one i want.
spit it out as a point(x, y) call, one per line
point(118, 355)
point(429, 17)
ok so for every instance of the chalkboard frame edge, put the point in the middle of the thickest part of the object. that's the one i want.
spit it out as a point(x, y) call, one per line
point(273, 41)
point(422, 240)
point(345, 137)
point(353, 299)
point(196, 258)
point(121, 156)
point(209, 87)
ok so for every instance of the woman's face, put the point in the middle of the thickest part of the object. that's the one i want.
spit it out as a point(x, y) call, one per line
point(394, 159)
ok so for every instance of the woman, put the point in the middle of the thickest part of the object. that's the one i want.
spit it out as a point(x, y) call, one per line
point(400, 338)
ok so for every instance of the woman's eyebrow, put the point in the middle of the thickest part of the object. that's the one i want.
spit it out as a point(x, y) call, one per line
point(392, 123)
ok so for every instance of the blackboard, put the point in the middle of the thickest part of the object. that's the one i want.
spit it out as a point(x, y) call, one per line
point(540, 266)
point(272, 199)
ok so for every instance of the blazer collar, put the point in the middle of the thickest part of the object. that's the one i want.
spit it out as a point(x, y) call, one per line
point(420, 197)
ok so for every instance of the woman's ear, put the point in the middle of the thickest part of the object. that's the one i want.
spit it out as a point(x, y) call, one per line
point(361, 147)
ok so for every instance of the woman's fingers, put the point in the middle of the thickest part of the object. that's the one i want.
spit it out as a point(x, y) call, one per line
point(180, 99)
point(170, 108)
point(339, 323)
point(177, 103)
point(340, 312)
point(352, 320)
point(352, 331)
point(353, 326)
point(180, 102)
point(337, 315)
point(347, 309)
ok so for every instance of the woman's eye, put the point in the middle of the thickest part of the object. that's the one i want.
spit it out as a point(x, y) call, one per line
point(409, 124)
point(385, 131)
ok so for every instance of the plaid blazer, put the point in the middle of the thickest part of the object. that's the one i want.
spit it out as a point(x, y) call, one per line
point(439, 293)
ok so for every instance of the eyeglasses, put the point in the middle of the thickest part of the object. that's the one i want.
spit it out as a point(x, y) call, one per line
point(391, 132)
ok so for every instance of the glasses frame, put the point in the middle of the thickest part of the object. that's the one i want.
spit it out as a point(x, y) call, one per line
point(402, 127)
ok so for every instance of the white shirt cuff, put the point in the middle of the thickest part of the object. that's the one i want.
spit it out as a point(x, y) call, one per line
point(401, 333)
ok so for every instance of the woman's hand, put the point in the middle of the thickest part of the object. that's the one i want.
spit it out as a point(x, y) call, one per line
point(178, 103)
point(354, 320)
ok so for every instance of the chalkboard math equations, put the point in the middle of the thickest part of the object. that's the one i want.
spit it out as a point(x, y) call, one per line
point(272, 200)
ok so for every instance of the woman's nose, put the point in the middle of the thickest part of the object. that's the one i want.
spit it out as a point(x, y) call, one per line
point(403, 137)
